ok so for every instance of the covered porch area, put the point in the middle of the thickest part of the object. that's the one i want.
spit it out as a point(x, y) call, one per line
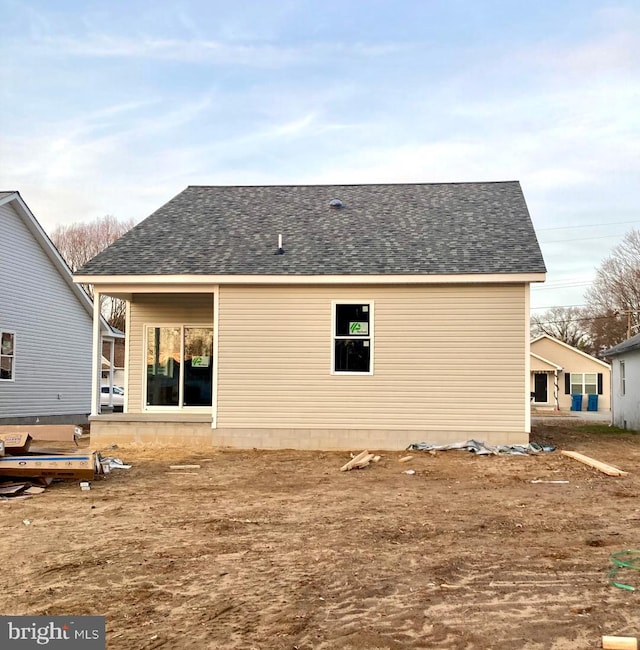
point(544, 384)
point(169, 367)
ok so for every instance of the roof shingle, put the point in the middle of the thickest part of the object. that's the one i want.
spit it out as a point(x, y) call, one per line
point(441, 228)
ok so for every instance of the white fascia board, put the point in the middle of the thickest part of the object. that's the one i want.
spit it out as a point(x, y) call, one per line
point(177, 281)
point(570, 347)
point(543, 360)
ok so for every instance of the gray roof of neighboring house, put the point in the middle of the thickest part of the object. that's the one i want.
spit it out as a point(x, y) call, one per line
point(626, 346)
point(439, 228)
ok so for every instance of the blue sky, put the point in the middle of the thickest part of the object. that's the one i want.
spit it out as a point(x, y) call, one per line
point(114, 107)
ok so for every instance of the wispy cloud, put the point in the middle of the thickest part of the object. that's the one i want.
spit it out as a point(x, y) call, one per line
point(207, 51)
point(108, 113)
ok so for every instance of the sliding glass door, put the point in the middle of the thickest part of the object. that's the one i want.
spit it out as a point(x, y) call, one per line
point(179, 366)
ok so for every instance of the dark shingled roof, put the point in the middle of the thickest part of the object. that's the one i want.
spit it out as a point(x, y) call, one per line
point(440, 228)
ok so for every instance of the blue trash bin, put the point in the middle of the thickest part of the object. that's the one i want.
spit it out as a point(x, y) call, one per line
point(576, 402)
point(592, 403)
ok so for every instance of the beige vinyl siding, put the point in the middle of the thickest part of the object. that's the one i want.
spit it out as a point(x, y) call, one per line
point(445, 358)
point(159, 309)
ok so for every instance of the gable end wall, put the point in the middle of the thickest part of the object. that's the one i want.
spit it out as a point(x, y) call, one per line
point(450, 363)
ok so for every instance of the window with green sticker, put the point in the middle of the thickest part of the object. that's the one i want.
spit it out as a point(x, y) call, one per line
point(352, 337)
point(179, 366)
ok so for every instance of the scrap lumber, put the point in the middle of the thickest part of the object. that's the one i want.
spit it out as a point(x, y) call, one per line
point(609, 470)
point(356, 459)
point(619, 643)
point(364, 461)
point(184, 466)
point(405, 459)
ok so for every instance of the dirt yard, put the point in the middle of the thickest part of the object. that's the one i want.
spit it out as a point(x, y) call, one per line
point(281, 550)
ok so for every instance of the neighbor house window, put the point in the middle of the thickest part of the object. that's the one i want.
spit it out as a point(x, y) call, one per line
point(623, 380)
point(584, 383)
point(7, 355)
point(353, 337)
point(179, 366)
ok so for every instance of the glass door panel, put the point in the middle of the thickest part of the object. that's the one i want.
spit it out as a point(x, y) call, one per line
point(198, 365)
point(163, 366)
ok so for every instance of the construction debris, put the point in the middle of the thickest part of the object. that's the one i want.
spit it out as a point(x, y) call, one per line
point(359, 461)
point(609, 470)
point(405, 459)
point(15, 443)
point(184, 466)
point(57, 432)
point(35, 468)
point(482, 448)
point(64, 466)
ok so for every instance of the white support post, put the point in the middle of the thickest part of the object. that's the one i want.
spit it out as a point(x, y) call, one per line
point(96, 367)
point(527, 358)
point(555, 391)
point(214, 377)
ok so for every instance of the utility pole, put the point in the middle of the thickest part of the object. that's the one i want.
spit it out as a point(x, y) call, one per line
point(628, 312)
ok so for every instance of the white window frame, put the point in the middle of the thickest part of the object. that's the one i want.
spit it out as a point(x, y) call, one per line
point(369, 337)
point(9, 356)
point(180, 406)
point(583, 382)
point(623, 379)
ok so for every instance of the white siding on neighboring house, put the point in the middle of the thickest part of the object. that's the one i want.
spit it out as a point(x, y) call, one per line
point(53, 331)
point(626, 403)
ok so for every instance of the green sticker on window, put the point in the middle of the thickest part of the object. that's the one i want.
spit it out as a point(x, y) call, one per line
point(360, 328)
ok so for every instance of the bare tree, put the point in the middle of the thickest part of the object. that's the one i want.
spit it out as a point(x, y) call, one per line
point(605, 330)
point(567, 324)
point(615, 293)
point(80, 242)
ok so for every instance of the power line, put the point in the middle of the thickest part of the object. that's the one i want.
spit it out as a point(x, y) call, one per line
point(556, 307)
point(561, 286)
point(563, 241)
point(590, 225)
point(572, 320)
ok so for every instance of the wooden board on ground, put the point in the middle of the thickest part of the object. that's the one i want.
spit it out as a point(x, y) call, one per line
point(356, 459)
point(363, 462)
point(619, 643)
point(609, 470)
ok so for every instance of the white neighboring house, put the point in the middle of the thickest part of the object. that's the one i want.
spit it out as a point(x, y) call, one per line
point(45, 326)
point(625, 380)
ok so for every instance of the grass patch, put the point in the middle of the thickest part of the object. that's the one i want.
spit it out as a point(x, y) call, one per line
point(602, 428)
